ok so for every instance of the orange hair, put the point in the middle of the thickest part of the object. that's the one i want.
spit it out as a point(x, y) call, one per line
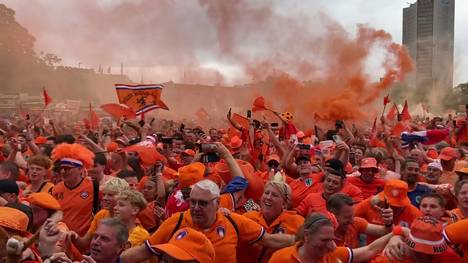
point(75, 151)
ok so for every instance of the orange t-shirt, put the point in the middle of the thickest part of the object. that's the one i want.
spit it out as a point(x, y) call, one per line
point(287, 222)
point(76, 204)
point(448, 177)
point(351, 235)
point(301, 187)
point(353, 191)
point(314, 202)
point(148, 218)
point(291, 255)
point(456, 234)
point(222, 234)
point(368, 190)
point(458, 213)
point(367, 211)
point(227, 201)
point(102, 214)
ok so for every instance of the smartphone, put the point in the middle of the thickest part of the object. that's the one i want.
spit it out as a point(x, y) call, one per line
point(210, 158)
point(207, 147)
point(274, 125)
point(337, 138)
point(249, 114)
point(304, 146)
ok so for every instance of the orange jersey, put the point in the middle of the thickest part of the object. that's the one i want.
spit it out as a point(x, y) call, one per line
point(287, 222)
point(227, 201)
point(314, 202)
point(458, 214)
point(222, 233)
point(368, 190)
point(46, 187)
point(350, 237)
point(291, 255)
point(77, 205)
point(353, 191)
point(456, 234)
point(301, 187)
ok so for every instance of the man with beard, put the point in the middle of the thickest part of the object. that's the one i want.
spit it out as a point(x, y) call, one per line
point(410, 174)
point(367, 181)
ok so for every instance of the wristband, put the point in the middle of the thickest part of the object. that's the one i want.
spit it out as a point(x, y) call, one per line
point(398, 231)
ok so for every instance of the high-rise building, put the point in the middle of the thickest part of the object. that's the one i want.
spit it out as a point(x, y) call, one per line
point(428, 34)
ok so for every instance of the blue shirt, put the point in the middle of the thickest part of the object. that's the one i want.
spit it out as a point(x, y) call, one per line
point(417, 193)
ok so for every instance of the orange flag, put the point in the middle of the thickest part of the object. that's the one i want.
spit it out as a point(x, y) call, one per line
point(392, 113)
point(405, 115)
point(141, 98)
point(47, 98)
point(398, 129)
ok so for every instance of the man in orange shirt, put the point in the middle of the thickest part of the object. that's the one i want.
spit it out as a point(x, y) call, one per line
point(78, 196)
point(448, 158)
point(461, 192)
point(349, 226)
point(390, 207)
point(306, 183)
point(223, 231)
point(367, 181)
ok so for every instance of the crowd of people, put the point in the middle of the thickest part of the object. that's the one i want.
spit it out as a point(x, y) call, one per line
point(157, 191)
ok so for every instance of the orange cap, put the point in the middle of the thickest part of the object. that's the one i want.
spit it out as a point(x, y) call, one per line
point(44, 200)
point(432, 153)
point(369, 162)
point(189, 152)
point(40, 140)
point(236, 142)
point(426, 236)
point(13, 219)
point(188, 244)
point(191, 174)
point(448, 153)
point(395, 192)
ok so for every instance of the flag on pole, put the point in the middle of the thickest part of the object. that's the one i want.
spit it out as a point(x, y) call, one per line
point(141, 98)
point(47, 98)
point(392, 113)
point(386, 100)
point(405, 115)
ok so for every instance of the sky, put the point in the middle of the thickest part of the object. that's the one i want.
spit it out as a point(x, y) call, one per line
point(161, 40)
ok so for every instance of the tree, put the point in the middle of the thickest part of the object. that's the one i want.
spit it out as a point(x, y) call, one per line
point(50, 59)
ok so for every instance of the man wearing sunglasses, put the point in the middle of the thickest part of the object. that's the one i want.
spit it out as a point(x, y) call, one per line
point(223, 231)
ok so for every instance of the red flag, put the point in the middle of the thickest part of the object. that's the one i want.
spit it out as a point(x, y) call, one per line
point(392, 113)
point(405, 115)
point(47, 98)
point(118, 111)
point(386, 100)
point(93, 118)
point(398, 129)
point(374, 140)
point(259, 104)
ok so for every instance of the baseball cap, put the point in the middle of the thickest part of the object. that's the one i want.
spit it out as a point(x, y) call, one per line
point(448, 153)
point(426, 236)
point(191, 174)
point(8, 186)
point(188, 244)
point(44, 200)
point(369, 162)
point(395, 192)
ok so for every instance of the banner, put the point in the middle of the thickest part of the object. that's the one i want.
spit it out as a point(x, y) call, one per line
point(141, 98)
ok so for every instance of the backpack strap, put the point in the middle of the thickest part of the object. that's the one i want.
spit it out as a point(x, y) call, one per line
point(95, 196)
point(179, 222)
point(233, 223)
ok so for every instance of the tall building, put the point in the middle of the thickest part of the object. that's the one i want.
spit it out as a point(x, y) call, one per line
point(428, 34)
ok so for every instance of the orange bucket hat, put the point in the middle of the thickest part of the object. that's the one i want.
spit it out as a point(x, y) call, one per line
point(426, 236)
point(191, 174)
point(235, 142)
point(44, 200)
point(13, 219)
point(395, 192)
point(188, 244)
